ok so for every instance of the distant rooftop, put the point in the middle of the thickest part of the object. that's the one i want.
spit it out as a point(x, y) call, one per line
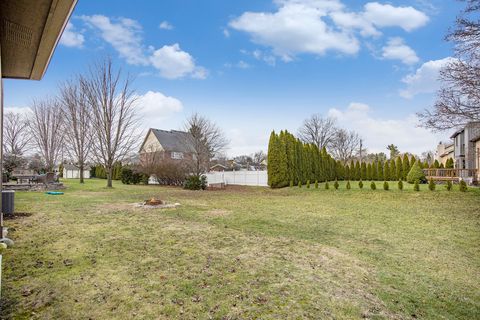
point(174, 140)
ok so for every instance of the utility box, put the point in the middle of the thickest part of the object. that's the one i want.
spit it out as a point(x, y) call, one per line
point(8, 202)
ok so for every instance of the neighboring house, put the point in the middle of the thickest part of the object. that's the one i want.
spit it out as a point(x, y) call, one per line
point(445, 151)
point(166, 145)
point(476, 142)
point(464, 148)
point(218, 167)
point(71, 171)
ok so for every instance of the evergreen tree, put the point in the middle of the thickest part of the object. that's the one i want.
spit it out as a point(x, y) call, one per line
point(358, 171)
point(347, 172)
point(373, 186)
point(380, 170)
point(449, 185)
point(369, 172)
point(399, 167)
point(327, 186)
point(393, 170)
point(416, 173)
point(374, 170)
point(386, 170)
point(463, 186)
point(360, 184)
point(431, 185)
point(416, 186)
point(405, 166)
point(348, 185)
point(400, 184)
point(353, 175)
point(436, 164)
point(336, 185)
point(364, 171)
point(277, 162)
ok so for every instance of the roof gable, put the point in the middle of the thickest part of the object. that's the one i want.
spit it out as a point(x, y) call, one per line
point(173, 140)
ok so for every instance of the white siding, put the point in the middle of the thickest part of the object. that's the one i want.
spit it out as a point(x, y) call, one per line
point(75, 174)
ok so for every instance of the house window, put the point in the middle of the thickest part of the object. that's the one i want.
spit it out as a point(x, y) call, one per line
point(177, 155)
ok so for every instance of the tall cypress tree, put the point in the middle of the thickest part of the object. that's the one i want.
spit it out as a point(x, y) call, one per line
point(380, 170)
point(358, 171)
point(364, 171)
point(369, 171)
point(277, 162)
point(386, 170)
point(406, 166)
point(393, 170)
point(399, 166)
point(353, 175)
point(375, 170)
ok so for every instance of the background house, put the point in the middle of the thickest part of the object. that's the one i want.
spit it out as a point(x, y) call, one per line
point(464, 148)
point(173, 145)
point(71, 171)
point(445, 151)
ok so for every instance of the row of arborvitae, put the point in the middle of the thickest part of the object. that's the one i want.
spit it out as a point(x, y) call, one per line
point(290, 161)
point(386, 186)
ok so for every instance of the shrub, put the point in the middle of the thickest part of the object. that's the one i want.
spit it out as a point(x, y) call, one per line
point(336, 185)
point(327, 186)
point(449, 185)
point(416, 186)
point(360, 184)
point(431, 184)
point(291, 183)
point(195, 183)
point(308, 184)
point(348, 185)
point(136, 177)
point(373, 186)
point(463, 186)
point(299, 184)
point(316, 184)
point(126, 175)
point(416, 174)
point(385, 186)
point(400, 184)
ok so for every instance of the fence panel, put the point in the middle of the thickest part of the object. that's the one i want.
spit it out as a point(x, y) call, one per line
point(241, 178)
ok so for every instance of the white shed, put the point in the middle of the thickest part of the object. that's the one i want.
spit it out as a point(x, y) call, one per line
point(71, 171)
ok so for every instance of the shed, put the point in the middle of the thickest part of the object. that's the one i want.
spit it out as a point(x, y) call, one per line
point(71, 171)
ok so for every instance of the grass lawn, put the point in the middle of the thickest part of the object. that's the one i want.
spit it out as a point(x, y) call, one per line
point(244, 253)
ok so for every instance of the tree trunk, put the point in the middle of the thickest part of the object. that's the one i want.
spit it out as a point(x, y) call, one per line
point(81, 173)
point(109, 177)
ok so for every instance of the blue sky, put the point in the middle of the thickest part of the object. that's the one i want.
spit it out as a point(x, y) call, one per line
point(253, 66)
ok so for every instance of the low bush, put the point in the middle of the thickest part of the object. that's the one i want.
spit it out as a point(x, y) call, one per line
point(463, 186)
point(386, 186)
point(308, 184)
point(360, 184)
point(291, 183)
point(195, 183)
point(431, 185)
point(449, 185)
point(373, 186)
point(416, 186)
point(336, 185)
point(126, 175)
point(316, 184)
point(348, 185)
point(299, 184)
point(327, 186)
point(400, 185)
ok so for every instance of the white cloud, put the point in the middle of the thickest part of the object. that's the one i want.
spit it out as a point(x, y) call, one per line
point(72, 38)
point(396, 49)
point(173, 63)
point(425, 78)
point(386, 15)
point(123, 34)
point(155, 107)
point(165, 25)
point(320, 26)
point(377, 133)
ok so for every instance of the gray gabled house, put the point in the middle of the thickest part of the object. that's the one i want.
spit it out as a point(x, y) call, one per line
point(171, 145)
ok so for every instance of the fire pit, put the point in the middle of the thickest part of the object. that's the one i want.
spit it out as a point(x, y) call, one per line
point(153, 202)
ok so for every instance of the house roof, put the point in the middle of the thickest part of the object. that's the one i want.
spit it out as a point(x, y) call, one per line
point(29, 33)
point(174, 140)
point(456, 133)
point(476, 138)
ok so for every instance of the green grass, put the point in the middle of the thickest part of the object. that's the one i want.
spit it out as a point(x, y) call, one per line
point(244, 253)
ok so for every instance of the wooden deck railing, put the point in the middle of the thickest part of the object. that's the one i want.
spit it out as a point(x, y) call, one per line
point(450, 174)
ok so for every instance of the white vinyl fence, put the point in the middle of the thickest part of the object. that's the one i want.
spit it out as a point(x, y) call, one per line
point(241, 178)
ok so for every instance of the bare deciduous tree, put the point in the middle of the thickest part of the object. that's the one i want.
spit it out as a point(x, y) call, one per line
point(113, 113)
point(15, 133)
point(46, 127)
point(77, 123)
point(258, 158)
point(458, 100)
point(206, 139)
point(318, 131)
point(345, 144)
